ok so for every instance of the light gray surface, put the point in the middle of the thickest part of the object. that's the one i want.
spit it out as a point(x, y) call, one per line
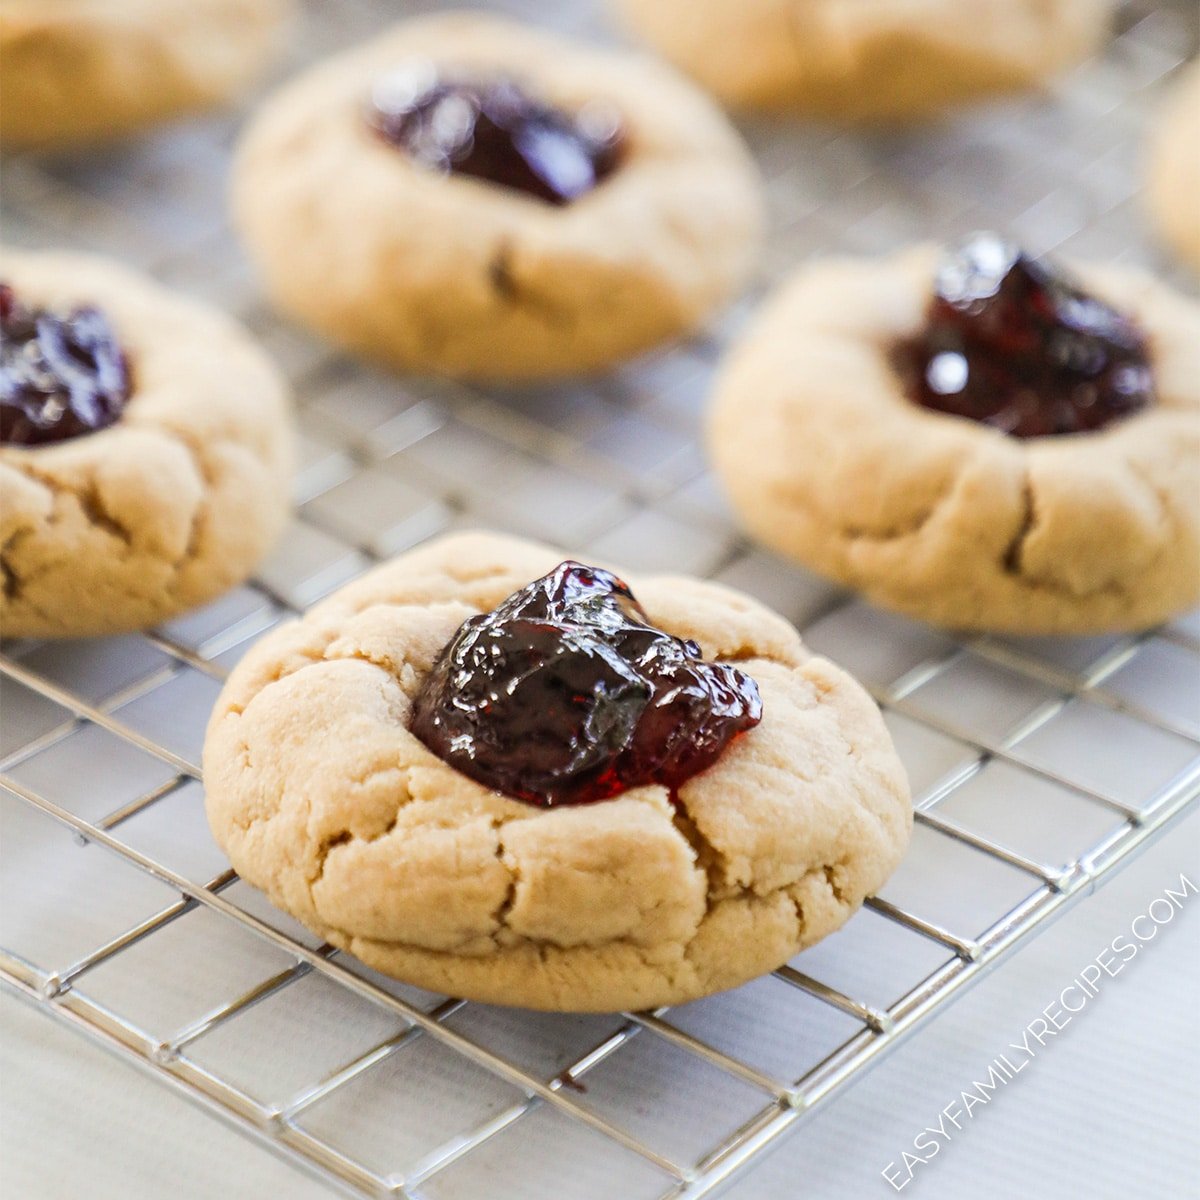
point(1110, 1109)
point(611, 467)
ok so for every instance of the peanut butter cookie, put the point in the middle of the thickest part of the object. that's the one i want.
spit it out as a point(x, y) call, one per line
point(657, 877)
point(145, 449)
point(468, 197)
point(868, 60)
point(1173, 184)
point(78, 71)
point(987, 445)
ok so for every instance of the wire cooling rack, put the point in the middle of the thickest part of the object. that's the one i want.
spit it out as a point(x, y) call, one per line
point(1038, 765)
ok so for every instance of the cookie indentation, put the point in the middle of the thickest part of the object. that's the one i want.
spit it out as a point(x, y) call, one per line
point(566, 694)
point(1015, 344)
point(62, 373)
point(495, 130)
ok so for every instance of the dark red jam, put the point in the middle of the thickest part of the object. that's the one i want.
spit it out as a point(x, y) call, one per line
point(1016, 344)
point(566, 694)
point(61, 374)
point(492, 129)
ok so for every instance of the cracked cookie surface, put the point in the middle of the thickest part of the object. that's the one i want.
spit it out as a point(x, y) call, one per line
point(1173, 182)
point(172, 505)
point(456, 276)
point(78, 71)
point(868, 60)
point(940, 517)
point(322, 797)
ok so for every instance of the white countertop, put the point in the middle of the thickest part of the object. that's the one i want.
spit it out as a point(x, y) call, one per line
point(1108, 1108)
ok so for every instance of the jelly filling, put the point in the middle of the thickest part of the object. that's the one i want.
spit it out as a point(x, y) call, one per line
point(494, 130)
point(61, 374)
point(566, 694)
point(1018, 345)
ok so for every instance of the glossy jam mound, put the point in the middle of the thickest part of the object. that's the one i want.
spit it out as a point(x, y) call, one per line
point(566, 694)
point(1016, 344)
point(61, 374)
point(492, 129)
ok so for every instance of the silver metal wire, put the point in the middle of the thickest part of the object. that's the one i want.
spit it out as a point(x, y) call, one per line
point(982, 722)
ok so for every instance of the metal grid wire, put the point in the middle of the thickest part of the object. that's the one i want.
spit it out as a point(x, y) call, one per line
point(1038, 765)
